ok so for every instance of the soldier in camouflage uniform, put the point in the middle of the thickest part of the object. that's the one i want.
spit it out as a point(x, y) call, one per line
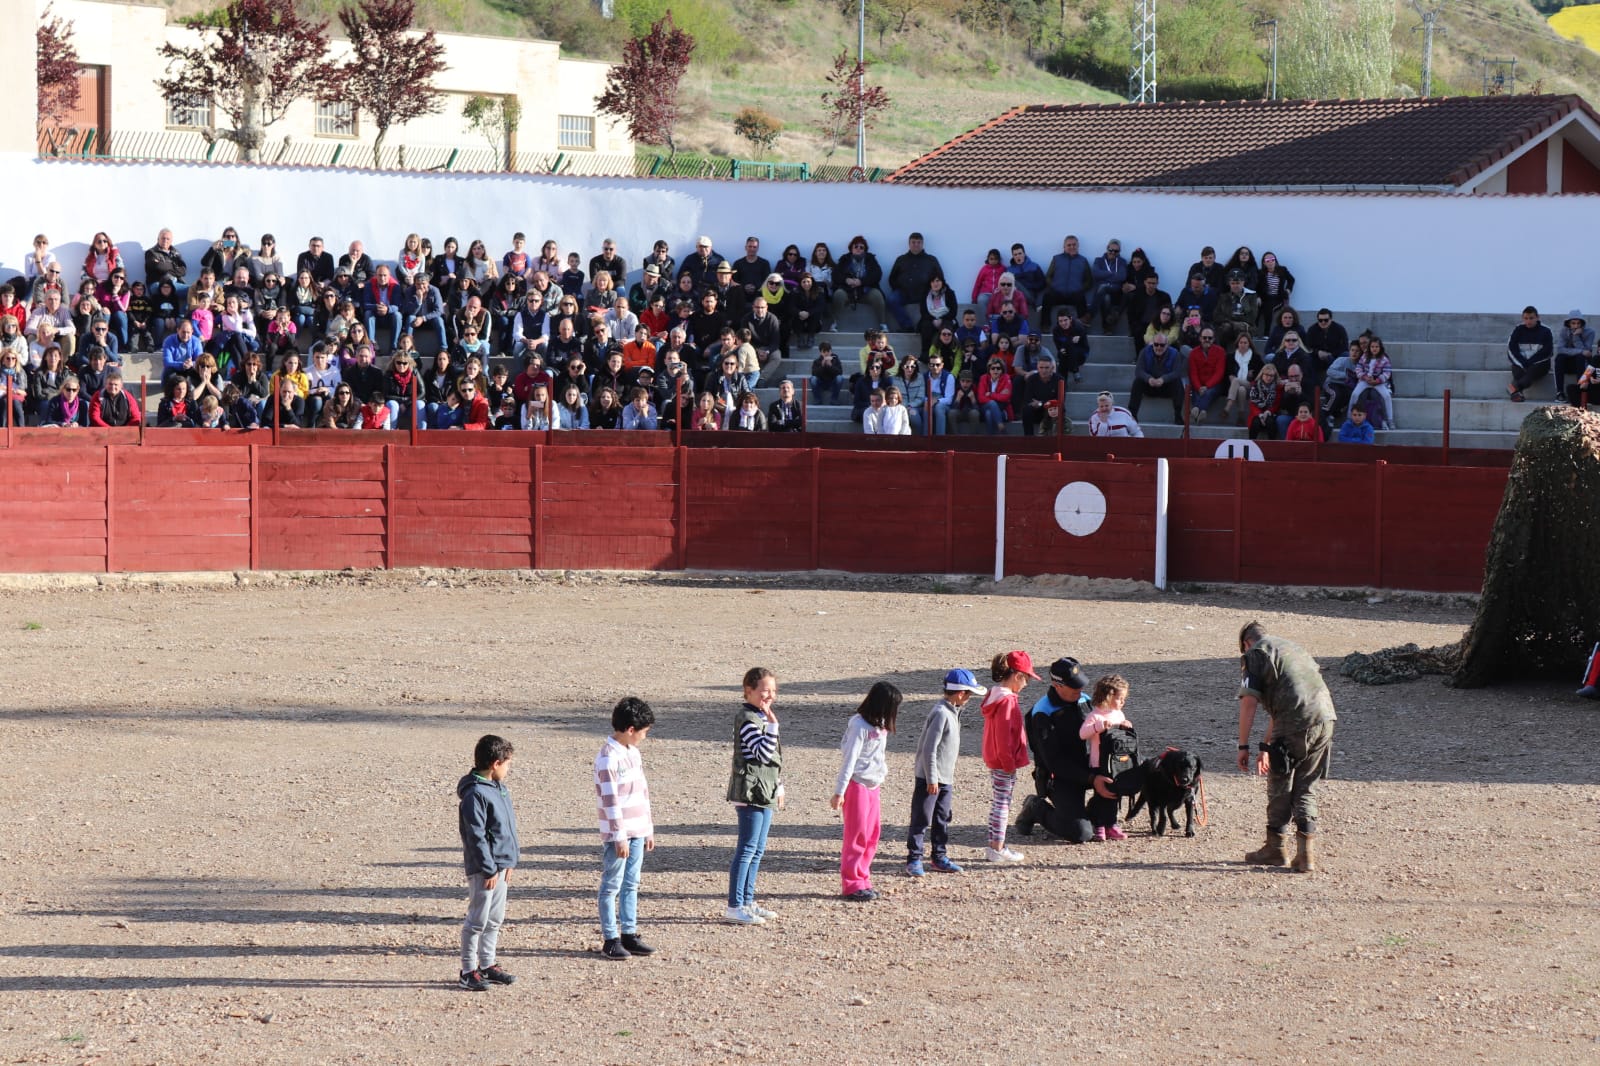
point(1282, 677)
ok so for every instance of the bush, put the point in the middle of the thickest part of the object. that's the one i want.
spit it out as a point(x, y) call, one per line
point(757, 127)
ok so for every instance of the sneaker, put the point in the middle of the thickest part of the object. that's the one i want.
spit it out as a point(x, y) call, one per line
point(496, 975)
point(634, 946)
point(472, 981)
point(945, 866)
point(614, 951)
point(1002, 855)
point(1590, 692)
point(742, 916)
point(1100, 834)
point(914, 868)
point(1113, 833)
point(1197, 415)
point(864, 895)
point(761, 912)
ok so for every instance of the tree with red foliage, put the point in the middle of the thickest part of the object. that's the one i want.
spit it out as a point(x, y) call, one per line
point(390, 72)
point(851, 104)
point(255, 59)
point(58, 70)
point(642, 90)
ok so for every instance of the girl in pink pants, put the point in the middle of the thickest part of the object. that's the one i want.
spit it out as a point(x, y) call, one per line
point(855, 792)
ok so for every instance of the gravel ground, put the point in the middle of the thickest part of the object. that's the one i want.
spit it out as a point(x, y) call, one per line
point(230, 834)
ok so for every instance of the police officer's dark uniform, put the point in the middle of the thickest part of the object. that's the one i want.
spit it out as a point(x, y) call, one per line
point(1068, 780)
point(1282, 677)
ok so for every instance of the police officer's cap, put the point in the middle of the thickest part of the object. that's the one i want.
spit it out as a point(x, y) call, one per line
point(1067, 671)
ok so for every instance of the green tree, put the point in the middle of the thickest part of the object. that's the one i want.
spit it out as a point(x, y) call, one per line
point(757, 127)
point(1328, 56)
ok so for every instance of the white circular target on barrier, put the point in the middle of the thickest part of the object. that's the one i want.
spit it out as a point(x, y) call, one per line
point(1080, 508)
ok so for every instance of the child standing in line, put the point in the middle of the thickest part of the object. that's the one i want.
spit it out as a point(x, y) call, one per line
point(855, 791)
point(936, 773)
point(755, 788)
point(1005, 748)
point(489, 851)
point(626, 829)
point(1110, 693)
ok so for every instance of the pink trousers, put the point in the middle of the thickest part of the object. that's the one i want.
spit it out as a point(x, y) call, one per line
point(862, 826)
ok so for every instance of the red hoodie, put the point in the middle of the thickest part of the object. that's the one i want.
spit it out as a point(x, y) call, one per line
point(1004, 745)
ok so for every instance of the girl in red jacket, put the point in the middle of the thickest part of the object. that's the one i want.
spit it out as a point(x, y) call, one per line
point(1005, 748)
point(994, 397)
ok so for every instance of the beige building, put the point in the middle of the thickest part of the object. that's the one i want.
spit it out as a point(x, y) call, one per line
point(119, 48)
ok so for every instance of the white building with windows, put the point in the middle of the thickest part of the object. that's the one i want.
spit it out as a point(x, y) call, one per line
point(122, 113)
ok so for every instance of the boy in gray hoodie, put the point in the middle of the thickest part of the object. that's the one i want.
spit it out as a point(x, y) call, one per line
point(489, 851)
point(936, 773)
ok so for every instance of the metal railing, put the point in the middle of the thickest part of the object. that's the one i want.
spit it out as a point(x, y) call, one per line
point(186, 145)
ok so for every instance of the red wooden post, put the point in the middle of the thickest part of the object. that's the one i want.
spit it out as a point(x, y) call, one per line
point(1316, 412)
point(677, 411)
point(111, 509)
point(255, 509)
point(1238, 516)
point(804, 409)
point(949, 512)
point(680, 533)
point(927, 414)
point(144, 404)
point(1061, 409)
point(275, 384)
point(8, 412)
point(1377, 523)
point(1186, 400)
point(388, 506)
point(1446, 438)
point(816, 508)
point(415, 418)
point(537, 491)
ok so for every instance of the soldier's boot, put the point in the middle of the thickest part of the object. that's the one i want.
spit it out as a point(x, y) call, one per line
point(1305, 856)
point(1270, 853)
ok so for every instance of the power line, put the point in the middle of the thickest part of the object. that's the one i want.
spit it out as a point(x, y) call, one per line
point(1429, 18)
point(1272, 84)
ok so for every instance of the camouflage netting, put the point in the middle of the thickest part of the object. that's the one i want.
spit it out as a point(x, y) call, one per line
point(1540, 610)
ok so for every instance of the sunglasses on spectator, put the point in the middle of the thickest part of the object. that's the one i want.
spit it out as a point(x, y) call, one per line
point(69, 390)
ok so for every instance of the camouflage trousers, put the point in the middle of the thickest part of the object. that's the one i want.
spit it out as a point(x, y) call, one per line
point(1293, 796)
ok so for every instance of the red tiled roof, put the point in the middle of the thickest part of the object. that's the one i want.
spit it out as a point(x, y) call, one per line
point(1443, 141)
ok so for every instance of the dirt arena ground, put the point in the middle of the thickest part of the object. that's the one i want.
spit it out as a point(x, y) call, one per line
point(230, 836)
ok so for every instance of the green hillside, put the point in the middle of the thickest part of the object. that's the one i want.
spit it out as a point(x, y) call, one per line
point(950, 64)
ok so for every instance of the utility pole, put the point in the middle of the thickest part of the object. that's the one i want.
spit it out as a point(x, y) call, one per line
point(1272, 84)
point(861, 87)
point(1504, 78)
point(1429, 19)
point(1142, 78)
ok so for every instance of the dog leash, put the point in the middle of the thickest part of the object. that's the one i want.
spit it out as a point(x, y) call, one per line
point(1200, 786)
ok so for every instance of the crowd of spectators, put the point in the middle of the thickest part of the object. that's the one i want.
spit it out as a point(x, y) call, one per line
point(250, 337)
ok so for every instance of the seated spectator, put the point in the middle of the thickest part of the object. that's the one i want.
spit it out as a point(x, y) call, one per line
point(729, 293)
point(1004, 350)
point(706, 324)
point(987, 283)
point(640, 413)
point(1165, 325)
point(973, 332)
point(1237, 310)
point(1041, 399)
point(913, 386)
point(1326, 340)
point(564, 346)
point(60, 318)
point(864, 387)
point(571, 410)
point(1293, 392)
point(1144, 304)
point(115, 298)
point(856, 278)
point(1159, 372)
point(821, 266)
point(340, 412)
point(381, 303)
point(285, 407)
point(674, 386)
point(1070, 279)
point(357, 263)
point(14, 381)
point(1303, 427)
point(468, 408)
point(946, 348)
point(941, 391)
point(92, 376)
point(67, 408)
point(877, 347)
point(745, 415)
point(1071, 339)
point(785, 415)
point(237, 411)
point(1575, 347)
point(424, 310)
point(656, 319)
point(44, 382)
point(1291, 353)
point(646, 289)
point(1109, 420)
point(825, 375)
point(1198, 296)
point(790, 267)
point(1208, 377)
point(605, 412)
point(909, 279)
point(205, 379)
point(321, 379)
point(537, 411)
point(1243, 261)
point(314, 259)
point(411, 263)
point(639, 351)
point(603, 294)
point(1265, 394)
point(225, 253)
point(885, 414)
point(141, 318)
point(706, 415)
point(163, 262)
point(209, 415)
point(994, 395)
point(1356, 429)
point(766, 338)
point(174, 410)
point(1274, 285)
point(289, 373)
point(12, 340)
point(611, 373)
point(179, 351)
point(1243, 364)
point(282, 335)
point(236, 333)
point(251, 380)
point(112, 406)
point(965, 409)
point(1286, 321)
point(1111, 284)
point(1212, 273)
point(1373, 373)
point(726, 381)
point(375, 413)
point(1337, 385)
point(403, 391)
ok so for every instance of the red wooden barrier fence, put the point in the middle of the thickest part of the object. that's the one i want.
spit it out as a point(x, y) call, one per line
point(511, 501)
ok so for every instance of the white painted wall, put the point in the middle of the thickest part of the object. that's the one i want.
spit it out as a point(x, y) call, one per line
point(1458, 254)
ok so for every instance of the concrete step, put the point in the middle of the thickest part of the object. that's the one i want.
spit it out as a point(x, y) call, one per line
point(1409, 326)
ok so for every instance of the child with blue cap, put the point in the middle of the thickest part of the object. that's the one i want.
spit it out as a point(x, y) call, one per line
point(936, 774)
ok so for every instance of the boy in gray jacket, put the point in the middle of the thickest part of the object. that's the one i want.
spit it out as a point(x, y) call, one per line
point(489, 851)
point(936, 773)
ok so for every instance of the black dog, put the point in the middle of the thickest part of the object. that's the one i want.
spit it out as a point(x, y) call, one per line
point(1166, 782)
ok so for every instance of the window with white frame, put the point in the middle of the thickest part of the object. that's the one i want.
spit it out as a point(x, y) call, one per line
point(576, 131)
point(337, 119)
point(190, 112)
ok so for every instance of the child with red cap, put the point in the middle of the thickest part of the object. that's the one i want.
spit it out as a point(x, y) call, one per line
point(1005, 747)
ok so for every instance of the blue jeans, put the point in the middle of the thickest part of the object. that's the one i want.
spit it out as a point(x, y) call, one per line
point(994, 417)
point(941, 414)
point(1205, 399)
point(392, 319)
point(619, 888)
point(436, 327)
point(919, 425)
point(819, 389)
point(754, 823)
point(394, 415)
point(897, 308)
